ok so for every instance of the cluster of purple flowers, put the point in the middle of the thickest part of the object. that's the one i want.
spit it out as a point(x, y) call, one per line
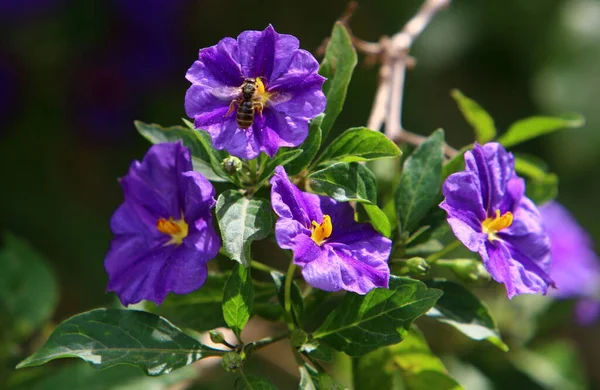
point(164, 234)
point(256, 94)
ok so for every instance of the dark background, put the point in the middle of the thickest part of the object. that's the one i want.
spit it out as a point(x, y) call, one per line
point(74, 75)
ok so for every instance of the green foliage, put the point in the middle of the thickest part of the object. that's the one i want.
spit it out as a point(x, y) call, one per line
point(363, 323)
point(346, 182)
point(542, 186)
point(297, 302)
point(205, 158)
point(535, 126)
point(253, 382)
point(79, 376)
point(242, 221)
point(283, 157)
point(478, 118)
point(105, 337)
point(28, 289)
point(337, 66)
point(201, 310)
point(409, 365)
point(311, 379)
point(310, 148)
point(461, 309)
point(359, 144)
point(376, 217)
point(237, 299)
point(420, 182)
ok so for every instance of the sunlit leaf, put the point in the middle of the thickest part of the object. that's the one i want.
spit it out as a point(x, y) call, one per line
point(105, 337)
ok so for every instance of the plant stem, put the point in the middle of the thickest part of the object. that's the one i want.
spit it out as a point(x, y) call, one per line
point(256, 345)
point(262, 267)
point(449, 248)
point(287, 295)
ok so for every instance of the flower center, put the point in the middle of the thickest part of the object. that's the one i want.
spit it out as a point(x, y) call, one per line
point(322, 231)
point(493, 225)
point(177, 229)
point(261, 96)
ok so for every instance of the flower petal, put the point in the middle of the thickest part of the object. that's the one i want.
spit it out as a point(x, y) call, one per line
point(494, 167)
point(153, 273)
point(463, 199)
point(280, 130)
point(336, 269)
point(519, 275)
point(266, 53)
point(587, 311)
point(217, 65)
point(527, 240)
point(227, 135)
point(575, 266)
point(289, 202)
point(207, 106)
point(152, 183)
point(197, 195)
point(291, 234)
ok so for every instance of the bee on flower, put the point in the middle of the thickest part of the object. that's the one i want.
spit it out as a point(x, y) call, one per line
point(256, 93)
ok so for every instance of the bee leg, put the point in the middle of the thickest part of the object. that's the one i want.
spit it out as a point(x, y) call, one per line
point(258, 106)
point(231, 107)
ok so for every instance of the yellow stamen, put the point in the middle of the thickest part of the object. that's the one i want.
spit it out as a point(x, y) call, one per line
point(493, 225)
point(260, 87)
point(177, 229)
point(322, 231)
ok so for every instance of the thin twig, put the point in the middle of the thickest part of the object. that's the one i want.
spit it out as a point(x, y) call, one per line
point(395, 60)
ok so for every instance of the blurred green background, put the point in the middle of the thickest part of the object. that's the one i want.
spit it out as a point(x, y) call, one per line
point(74, 75)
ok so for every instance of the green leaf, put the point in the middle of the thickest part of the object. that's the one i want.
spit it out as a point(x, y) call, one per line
point(542, 186)
point(310, 147)
point(311, 379)
point(281, 158)
point(420, 182)
point(237, 299)
point(409, 365)
point(295, 296)
point(317, 350)
point(205, 158)
point(346, 182)
point(242, 221)
point(28, 289)
point(554, 366)
point(461, 309)
point(359, 144)
point(253, 382)
point(105, 337)
point(456, 164)
point(80, 377)
point(478, 118)
point(363, 323)
point(337, 66)
point(528, 128)
point(183, 309)
point(376, 217)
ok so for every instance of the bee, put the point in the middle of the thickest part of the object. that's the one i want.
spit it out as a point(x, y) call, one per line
point(251, 100)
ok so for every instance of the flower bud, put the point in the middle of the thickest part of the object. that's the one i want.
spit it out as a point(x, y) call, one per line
point(231, 165)
point(298, 338)
point(469, 269)
point(231, 362)
point(216, 336)
point(417, 265)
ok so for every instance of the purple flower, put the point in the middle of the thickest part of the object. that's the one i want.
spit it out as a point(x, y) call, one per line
point(335, 252)
point(575, 266)
point(163, 230)
point(282, 90)
point(490, 214)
